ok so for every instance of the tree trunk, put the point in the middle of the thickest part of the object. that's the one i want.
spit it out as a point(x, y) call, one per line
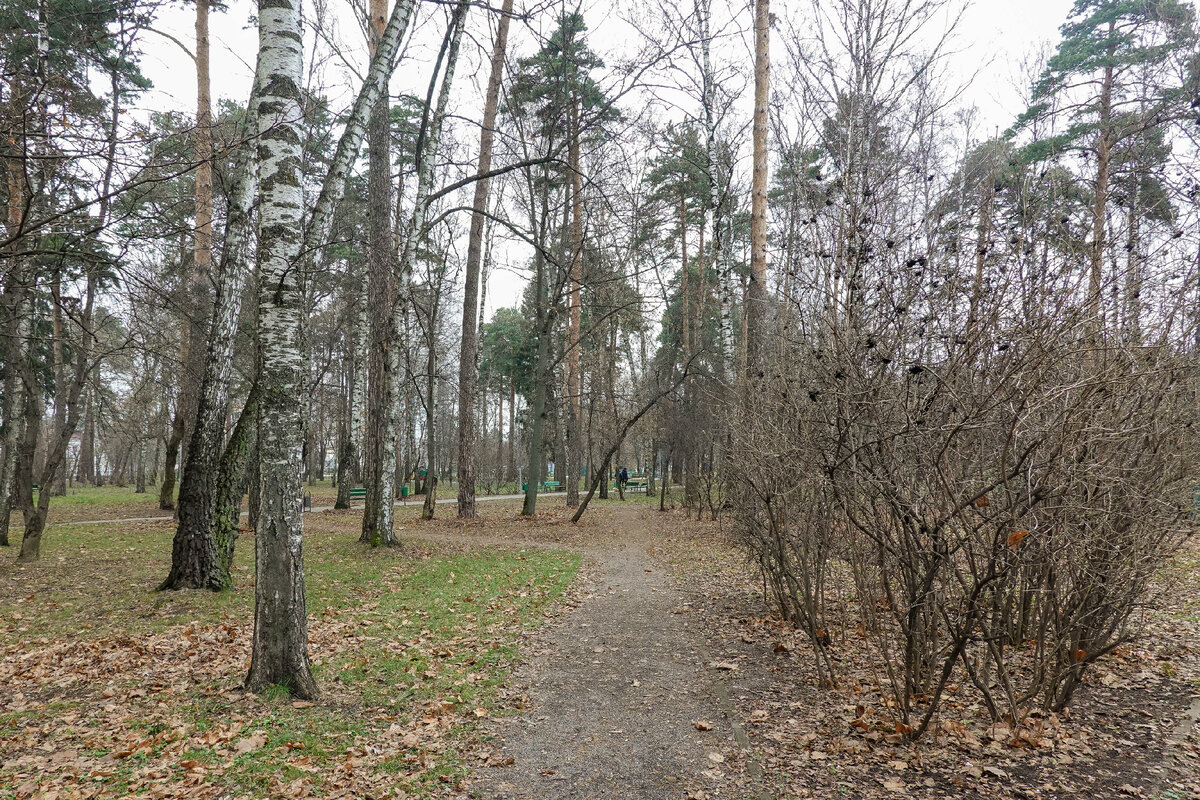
point(35, 523)
point(14, 398)
point(427, 513)
point(56, 447)
point(13, 309)
point(499, 435)
point(381, 277)
point(140, 479)
point(231, 481)
point(468, 374)
point(345, 457)
point(194, 556)
point(574, 342)
point(427, 146)
point(279, 654)
point(85, 470)
point(1104, 141)
point(510, 473)
point(166, 492)
point(756, 299)
point(60, 376)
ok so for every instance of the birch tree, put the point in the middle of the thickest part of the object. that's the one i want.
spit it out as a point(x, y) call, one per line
point(279, 654)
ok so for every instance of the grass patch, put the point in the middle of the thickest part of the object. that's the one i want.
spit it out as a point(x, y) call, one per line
point(117, 690)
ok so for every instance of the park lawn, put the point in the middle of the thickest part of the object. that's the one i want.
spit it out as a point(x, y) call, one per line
point(115, 691)
point(104, 502)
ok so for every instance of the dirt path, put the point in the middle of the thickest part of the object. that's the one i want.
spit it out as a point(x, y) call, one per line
point(616, 691)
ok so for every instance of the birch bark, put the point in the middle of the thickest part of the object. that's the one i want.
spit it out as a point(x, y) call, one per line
point(279, 654)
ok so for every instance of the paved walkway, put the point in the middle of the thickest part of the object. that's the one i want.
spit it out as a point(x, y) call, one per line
point(318, 509)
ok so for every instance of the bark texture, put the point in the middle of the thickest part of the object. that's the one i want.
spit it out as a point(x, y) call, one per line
point(377, 526)
point(279, 654)
point(231, 482)
point(756, 297)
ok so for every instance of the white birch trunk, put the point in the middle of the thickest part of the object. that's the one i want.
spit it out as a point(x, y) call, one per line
point(415, 231)
point(280, 650)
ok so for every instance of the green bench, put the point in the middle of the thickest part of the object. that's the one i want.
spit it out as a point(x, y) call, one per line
point(544, 486)
point(358, 494)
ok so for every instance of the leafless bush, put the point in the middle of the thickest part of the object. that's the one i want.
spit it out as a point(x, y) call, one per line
point(999, 508)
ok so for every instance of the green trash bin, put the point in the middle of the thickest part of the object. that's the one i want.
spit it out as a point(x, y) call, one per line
point(404, 491)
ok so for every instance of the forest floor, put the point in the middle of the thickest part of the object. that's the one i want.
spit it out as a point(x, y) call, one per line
point(631, 656)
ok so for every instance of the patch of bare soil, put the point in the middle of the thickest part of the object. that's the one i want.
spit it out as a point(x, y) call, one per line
point(622, 696)
point(1128, 733)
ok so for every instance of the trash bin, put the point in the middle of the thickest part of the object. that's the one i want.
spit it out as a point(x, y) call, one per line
point(404, 491)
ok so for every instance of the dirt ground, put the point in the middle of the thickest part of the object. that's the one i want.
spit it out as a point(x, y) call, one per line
point(684, 685)
point(623, 699)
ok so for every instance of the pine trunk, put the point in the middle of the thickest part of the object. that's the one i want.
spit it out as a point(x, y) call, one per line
point(14, 399)
point(1100, 196)
point(468, 373)
point(510, 473)
point(574, 343)
point(380, 465)
point(756, 299)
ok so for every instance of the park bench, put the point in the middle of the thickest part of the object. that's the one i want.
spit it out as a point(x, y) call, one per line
point(358, 494)
point(636, 483)
point(544, 486)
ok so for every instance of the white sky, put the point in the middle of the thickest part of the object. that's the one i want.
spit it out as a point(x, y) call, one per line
point(993, 37)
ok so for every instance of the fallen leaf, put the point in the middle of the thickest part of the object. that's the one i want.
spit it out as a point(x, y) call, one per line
point(250, 743)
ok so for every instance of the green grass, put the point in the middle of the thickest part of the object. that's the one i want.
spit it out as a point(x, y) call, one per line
point(392, 632)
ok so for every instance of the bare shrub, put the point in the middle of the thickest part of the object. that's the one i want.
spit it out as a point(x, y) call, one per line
point(998, 511)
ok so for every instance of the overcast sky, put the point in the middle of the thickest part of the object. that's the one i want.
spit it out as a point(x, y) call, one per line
point(993, 37)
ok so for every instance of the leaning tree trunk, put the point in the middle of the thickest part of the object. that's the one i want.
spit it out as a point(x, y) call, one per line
point(56, 447)
point(279, 654)
point(230, 482)
point(468, 374)
point(427, 146)
point(166, 492)
point(195, 561)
